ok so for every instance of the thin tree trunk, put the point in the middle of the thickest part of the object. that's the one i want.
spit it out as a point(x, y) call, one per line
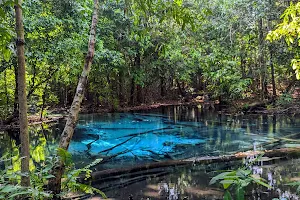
point(24, 137)
point(16, 100)
point(121, 86)
point(137, 64)
point(162, 87)
point(43, 103)
point(66, 136)
point(271, 52)
point(243, 61)
point(132, 91)
point(272, 73)
point(261, 59)
point(6, 92)
point(139, 94)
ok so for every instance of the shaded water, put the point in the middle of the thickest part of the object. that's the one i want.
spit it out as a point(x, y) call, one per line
point(172, 132)
point(192, 182)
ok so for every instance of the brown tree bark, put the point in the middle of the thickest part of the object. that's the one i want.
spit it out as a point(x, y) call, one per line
point(261, 61)
point(24, 137)
point(6, 92)
point(163, 89)
point(272, 73)
point(16, 101)
point(132, 89)
point(271, 52)
point(121, 86)
point(55, 184)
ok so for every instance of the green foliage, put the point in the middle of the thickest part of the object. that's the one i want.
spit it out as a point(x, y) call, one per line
point(10, 186)
point(295, 184)
point(289, 29)
point(235, 181)
point(205, 46)
point(6, 32)
point(10, 180)
point(70, 178)
point(284, 100)
point(64, 156)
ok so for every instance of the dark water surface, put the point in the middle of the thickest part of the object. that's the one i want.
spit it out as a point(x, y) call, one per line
point(173, 132)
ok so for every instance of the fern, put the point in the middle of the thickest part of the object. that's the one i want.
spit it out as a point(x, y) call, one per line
point(65, 157)
point(71, 183)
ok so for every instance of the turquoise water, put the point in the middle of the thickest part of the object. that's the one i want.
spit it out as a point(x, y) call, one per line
point(172, 132)
point(178, 132)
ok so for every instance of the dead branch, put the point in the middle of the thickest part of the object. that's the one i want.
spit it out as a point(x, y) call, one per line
point(284, 152)
point(109, 149)
point(146, 132)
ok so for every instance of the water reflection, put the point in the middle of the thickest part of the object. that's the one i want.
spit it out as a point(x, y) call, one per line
point(179, 132)
point(170, 132)
point(191, 182)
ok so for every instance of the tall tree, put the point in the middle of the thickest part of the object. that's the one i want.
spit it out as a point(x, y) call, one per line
point(66, 136)
point(23, 121)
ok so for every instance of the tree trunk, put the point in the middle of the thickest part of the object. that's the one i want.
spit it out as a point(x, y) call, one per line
point(162, 87)
point(271, 52)
point(55, 183)
point(243, 61)
point(121, 87)
point(24, 137)
point(272, 73)
point(261, 59)
point(132, 91)
point(16, 100)
point(137, 64)
point(6, 92)
point(43, 103)
point(139, 94)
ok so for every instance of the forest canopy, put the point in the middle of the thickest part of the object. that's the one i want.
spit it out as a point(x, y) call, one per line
point(148, 51)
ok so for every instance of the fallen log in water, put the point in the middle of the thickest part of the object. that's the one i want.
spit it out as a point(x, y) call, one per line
point(283, 153)
point(31, 122)
point(257, 105)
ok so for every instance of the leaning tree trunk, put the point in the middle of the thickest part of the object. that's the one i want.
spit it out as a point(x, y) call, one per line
point(55, 184)
point(25, 180)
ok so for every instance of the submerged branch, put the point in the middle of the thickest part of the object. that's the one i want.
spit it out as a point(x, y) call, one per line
point(284, 152)
point(146, 132)
point(109, 149)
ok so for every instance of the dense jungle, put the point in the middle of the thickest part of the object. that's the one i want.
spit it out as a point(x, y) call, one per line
point(150, 99)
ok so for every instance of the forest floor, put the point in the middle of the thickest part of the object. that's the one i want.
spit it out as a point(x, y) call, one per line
point(254, 106)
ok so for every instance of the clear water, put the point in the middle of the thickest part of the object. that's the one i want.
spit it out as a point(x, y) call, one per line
point(178, 132)
point(172, 132)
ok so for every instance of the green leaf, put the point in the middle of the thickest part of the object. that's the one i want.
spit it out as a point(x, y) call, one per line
point(9, 188)
point(227, 195)
point(6, 54)
point(260, 182)
point(49, 176)
point(19, 194)
point(65, 156)
point(227, 183)
point(2, 13)
point(220, 177)
point(240, 193)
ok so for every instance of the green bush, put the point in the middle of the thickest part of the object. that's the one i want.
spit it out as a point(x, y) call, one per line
point(11, 189)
